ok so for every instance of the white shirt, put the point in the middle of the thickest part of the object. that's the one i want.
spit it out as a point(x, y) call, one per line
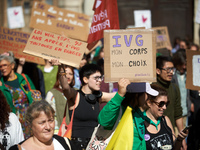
point(56, 145)
point(12, 133)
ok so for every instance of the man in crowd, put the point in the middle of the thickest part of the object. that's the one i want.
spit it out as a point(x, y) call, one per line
point(165, 70)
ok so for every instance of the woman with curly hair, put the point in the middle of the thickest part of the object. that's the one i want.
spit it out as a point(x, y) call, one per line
point(10, 127)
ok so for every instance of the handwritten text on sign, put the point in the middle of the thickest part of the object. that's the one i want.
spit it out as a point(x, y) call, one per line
point(162, 37)
point(15, 41)
point(129, 54)
point(51, 46)
point(60, 21)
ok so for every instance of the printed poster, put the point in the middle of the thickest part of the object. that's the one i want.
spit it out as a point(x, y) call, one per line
point(15, 17)
point(142, 18)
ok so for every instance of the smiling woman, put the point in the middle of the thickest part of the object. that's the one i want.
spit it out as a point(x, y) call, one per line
point(40, 119)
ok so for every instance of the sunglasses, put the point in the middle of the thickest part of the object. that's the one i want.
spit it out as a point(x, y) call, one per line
point(161, 103)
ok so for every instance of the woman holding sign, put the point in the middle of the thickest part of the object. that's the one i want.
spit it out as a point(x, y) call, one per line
point(86, 104)
point(15, 89)
point(56, 98)
point(152, 130)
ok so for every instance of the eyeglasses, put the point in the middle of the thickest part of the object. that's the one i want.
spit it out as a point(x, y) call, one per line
point(4, 65)
point(97, 78)
point(168, 69)
point(161, 103)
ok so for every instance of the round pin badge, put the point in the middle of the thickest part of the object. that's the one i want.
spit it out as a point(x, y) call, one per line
point(146, 137)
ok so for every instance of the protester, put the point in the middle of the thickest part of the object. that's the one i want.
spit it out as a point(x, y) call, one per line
point(194, 47)
point(165, 70)
point(179, 78)
point(40, 118)
point(193, 140)
point(56, 98)
point(87, 102)
point(138, 96)
point(10, 127)
point(49, 74)
point(34, 73)
point(15, 89)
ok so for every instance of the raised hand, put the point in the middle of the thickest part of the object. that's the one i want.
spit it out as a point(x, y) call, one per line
point(123, 83)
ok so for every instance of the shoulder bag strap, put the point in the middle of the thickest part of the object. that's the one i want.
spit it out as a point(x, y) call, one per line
point(19, 147)
point(73, 110)
point(75, 105)
point(26, 81)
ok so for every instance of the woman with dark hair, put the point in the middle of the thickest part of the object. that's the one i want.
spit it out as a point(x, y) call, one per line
point(56, 98)
point(10, 127)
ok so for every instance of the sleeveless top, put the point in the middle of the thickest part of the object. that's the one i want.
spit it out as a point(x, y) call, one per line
point(162, 138)
point(85, 118)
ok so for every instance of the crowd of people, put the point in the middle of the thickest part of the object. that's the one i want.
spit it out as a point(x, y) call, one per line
point(160, 110)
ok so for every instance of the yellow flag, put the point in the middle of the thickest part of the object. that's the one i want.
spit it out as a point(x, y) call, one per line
point(122, 139)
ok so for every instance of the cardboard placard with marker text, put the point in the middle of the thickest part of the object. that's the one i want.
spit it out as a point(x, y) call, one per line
point(60, 21)
point(52, 46)
point(15, 41)
point(162, 37)
point(129, 54)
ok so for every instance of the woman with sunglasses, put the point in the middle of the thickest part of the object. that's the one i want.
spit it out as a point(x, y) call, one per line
point(151, 129)
point(159, 131)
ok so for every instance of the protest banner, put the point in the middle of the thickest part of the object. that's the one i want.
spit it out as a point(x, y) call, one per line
point(129, 54)
point(193, 70)
point(60, 21)
point(162, 37)
point(105, 17)
point(52, 46)
point(15, 41)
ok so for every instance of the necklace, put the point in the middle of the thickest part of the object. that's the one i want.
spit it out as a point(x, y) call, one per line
point(93, 107)
point(13, 79)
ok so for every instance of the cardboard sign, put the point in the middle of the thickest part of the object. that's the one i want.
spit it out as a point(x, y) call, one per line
point(15, 41)
point(142, 18)
point(52, 46)
point(162, 37)
point(15, 17)
point(129, 54)
point(193, 70)
point(60, 21)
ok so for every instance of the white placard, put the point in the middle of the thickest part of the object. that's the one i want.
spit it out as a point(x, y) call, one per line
point(142, 18)
point(196, 70)
point(15, 17)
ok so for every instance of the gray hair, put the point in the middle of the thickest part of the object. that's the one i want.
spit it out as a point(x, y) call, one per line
point(8, 58)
